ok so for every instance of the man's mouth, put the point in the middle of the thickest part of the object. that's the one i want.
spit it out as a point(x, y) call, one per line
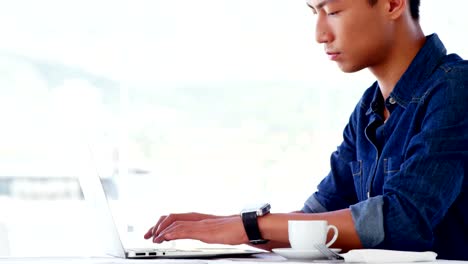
point(333, 55)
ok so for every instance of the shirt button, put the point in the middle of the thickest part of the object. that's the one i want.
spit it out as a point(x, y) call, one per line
point(392, 100)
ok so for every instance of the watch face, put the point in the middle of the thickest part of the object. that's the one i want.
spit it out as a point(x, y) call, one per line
point(260, 210)
point(263, 210)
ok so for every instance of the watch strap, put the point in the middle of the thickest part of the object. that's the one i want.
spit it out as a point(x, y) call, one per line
point(252, 230)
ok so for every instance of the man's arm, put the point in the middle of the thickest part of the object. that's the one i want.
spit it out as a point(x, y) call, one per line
point(230, 230)
point(275, 227)
point(276, 244)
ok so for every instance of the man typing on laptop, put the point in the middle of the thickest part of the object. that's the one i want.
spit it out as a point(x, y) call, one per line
point(398, 180)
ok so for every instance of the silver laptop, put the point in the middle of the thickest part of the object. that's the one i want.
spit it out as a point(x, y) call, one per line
point(94, 195)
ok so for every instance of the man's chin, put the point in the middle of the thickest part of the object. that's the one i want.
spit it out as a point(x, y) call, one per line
point(346, 68)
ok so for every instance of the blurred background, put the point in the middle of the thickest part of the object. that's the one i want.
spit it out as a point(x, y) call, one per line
point(205, 106)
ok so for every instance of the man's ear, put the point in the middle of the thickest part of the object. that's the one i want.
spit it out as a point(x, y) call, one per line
point(396, 8)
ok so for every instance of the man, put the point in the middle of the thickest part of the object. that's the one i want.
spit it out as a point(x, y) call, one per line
point(398, 180)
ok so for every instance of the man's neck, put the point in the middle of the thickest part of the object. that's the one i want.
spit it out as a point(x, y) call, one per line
point(405, 48)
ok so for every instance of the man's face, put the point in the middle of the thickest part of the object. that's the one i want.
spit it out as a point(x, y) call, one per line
point(355, 34)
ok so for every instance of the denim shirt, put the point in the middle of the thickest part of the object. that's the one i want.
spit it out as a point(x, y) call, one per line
point(405, 180)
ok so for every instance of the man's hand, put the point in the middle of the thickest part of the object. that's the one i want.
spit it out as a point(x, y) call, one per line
point(206, 228)
point(230, 229)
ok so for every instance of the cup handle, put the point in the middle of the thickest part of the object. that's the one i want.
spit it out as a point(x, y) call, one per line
point(335, 236)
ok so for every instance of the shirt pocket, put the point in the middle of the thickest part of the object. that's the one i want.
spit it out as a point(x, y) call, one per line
point(357, 172)
point(392, 165)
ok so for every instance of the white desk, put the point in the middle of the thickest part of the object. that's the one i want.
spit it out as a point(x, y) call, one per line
point(259, 258)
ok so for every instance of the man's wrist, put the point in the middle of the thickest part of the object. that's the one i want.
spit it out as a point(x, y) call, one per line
point(250, 218)
point(264, 226)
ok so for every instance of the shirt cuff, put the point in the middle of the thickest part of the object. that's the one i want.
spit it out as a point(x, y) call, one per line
point(312, 205)
point(368, 221)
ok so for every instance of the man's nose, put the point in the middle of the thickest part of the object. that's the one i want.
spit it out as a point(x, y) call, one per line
point(322, 32)
point(322, 37)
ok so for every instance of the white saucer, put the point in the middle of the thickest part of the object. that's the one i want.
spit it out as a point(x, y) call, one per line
point(291, 253)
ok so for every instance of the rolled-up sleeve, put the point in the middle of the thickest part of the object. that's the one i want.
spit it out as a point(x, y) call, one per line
point(367, 216)
point(312, 205)
point(368, 220)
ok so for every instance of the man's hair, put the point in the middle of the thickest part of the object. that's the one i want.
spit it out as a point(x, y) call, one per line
point(414, 7)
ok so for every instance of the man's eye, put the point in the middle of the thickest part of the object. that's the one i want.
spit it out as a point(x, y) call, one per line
point(333, 13)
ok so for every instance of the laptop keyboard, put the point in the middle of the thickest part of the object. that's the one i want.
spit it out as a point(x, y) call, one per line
point(149, 252)
point(163, 250)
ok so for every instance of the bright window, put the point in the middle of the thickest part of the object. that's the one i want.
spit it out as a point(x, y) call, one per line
point(188, 106)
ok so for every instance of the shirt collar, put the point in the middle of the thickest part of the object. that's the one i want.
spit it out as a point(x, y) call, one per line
point(377, 103)
point(422, 66)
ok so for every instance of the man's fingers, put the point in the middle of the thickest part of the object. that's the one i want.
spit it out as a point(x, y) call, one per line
point(227, 230)
point(151, 232)
point(177, 230)
point(165, 221)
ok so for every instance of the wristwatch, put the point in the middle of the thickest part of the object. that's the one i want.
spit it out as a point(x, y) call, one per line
point(249, 219)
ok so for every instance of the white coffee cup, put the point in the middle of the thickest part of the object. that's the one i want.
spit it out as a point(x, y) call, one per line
point(305, 234)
